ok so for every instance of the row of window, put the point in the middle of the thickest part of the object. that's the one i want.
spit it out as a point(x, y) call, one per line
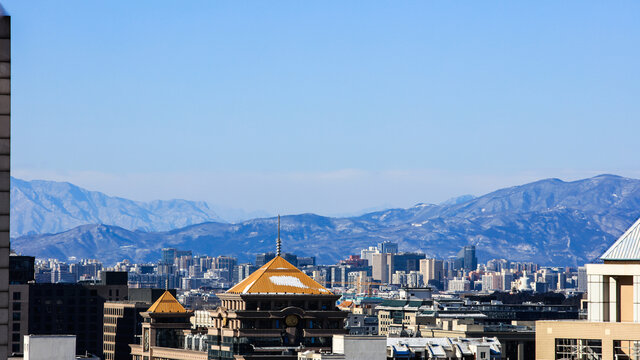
point(570, 349)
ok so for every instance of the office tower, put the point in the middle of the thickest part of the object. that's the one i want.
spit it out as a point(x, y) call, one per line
point(5, 167)
point(432, 271)
point(466, 259)
point(225, 263)
point(51, 309)
point(382, 267)
point(407, 262)
point(507, 278)
point(388, 247)
point(168, 255)
point(242, 271)
point(582, 279)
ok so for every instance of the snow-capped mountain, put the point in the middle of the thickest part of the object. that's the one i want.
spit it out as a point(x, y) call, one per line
point(39, 207)
point(549, 221)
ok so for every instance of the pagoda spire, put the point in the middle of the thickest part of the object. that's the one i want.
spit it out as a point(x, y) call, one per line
point(278, 241)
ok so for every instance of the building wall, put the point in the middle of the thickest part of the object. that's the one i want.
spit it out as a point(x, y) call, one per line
point(360, 347)
point(18, 317)
point(60, 347)
point(548, 331)
point(5, 166)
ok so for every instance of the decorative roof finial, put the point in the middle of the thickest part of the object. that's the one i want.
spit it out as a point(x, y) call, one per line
point(278, 242)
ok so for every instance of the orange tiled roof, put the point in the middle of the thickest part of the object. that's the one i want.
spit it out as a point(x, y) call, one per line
point(278, 276)
point(167, 304)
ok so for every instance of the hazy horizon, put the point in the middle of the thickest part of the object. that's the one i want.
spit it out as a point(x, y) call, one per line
point(328, 108)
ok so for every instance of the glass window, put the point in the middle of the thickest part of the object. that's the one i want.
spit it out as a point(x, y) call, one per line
point(569, 349)
point(626, 349)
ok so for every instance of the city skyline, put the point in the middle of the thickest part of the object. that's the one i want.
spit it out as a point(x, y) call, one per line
point(291, 109)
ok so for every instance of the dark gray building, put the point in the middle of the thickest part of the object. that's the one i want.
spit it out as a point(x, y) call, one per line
point(466, 259)
point(5, 178)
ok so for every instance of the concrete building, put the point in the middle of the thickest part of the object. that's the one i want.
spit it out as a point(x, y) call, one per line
point(5, 168)
point(53, 309)
point(122, 322)
point(382, 267)
point(612, 330)
point(432, 271)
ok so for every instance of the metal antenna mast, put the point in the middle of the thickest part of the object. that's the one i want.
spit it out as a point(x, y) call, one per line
point(278, 241)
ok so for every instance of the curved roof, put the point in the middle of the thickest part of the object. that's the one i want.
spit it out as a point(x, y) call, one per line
point(627, 247)
point(278, 276)
point(167, 304)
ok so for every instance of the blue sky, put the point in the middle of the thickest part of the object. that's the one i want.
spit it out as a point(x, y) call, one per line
point(326, 107)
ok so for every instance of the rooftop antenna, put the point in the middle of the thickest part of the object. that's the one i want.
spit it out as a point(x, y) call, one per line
point(278, 241)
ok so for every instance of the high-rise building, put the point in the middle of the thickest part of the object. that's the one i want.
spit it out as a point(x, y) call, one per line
point(466, 259)
point(5, 167)
point(432, 272)
point(367, 254)
point(388, 247)
point(50, 309)
point(225, 263)
point(582, 279)
point(168, 255)
point(382, 267)
point(407, 262)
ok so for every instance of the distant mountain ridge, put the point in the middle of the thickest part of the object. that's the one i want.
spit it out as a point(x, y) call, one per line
point(51, 207)
point(548, 221)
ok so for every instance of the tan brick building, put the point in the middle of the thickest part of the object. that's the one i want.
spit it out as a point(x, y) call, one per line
point(612, 330)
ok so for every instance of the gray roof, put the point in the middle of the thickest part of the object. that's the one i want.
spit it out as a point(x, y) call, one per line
point(627, 247)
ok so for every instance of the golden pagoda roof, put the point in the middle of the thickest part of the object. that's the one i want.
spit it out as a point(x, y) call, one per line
point(278, 276)
point(167, 304)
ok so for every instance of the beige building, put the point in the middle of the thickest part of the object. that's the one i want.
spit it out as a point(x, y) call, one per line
point(612, 330)
point(432, 270)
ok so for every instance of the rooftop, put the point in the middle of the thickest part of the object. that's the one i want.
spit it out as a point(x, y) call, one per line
point(167, 304)
point(278, 276)
point(627, 247)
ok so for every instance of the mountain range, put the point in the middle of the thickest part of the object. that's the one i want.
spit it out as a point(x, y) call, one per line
point(39, 207)
point(551, 222)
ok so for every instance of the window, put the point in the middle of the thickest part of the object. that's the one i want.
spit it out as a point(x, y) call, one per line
point(16, 295)
point(16, 316)
point(626, 349)
point(567, 349)
point(16, 306)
